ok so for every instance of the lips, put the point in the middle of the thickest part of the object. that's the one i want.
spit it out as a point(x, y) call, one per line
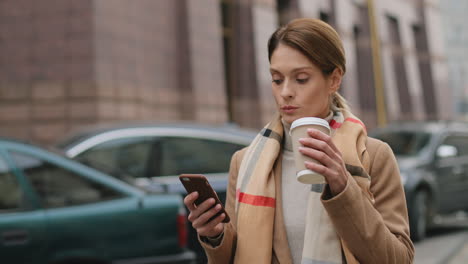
point(289, 107)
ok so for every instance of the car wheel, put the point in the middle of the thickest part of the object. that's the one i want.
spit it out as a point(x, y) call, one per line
point(419, 215)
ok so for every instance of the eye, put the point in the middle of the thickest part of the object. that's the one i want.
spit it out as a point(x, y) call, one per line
point(277, 81)
point(302, 81)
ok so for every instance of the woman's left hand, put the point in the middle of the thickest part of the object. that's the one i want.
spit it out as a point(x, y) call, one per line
point(320, 147)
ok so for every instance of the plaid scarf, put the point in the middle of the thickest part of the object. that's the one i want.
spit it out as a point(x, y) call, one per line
point(255, 196)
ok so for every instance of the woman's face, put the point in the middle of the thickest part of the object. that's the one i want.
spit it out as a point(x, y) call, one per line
point(299, 87)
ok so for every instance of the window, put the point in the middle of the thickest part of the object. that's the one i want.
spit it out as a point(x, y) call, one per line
point(324, 17)
point(364, 64)
point(228, 20)
point(130, 155)
point(425, 70)
point(59, 187)
point(405, 143)
point(399, 67)
point(287, 10)
point(459, 142)
point(11, 195)
point(191, 155)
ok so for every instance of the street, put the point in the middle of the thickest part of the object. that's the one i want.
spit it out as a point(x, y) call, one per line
point(447, 244)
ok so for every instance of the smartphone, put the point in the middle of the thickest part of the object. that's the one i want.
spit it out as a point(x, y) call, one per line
point(199, 183)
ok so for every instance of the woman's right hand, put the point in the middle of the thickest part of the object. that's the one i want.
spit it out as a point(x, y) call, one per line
point(199, 216)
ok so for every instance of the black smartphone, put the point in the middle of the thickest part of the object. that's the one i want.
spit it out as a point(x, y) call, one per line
point(200, 184)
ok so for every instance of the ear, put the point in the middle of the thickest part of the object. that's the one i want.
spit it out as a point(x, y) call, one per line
point(335, 80)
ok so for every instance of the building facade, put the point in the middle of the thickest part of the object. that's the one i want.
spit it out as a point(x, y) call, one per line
point(66, 64)
point(412, 59)
point(456, 41)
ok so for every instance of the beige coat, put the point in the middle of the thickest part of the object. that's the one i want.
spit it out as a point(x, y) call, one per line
point(369, 232)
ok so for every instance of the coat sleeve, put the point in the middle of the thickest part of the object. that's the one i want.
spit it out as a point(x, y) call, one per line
point(224, 252)
point(374, 232)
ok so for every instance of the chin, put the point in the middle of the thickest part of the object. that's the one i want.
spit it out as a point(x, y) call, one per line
point(290, 119)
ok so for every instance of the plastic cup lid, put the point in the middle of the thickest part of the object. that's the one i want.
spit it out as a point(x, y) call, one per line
point(310, 121)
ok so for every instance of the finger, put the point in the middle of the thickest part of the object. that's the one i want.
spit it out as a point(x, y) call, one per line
point(318, 145)
point(200, 209)
point(328, 173)
point(317, 134)
point(214, 227)
point(190, 199)
point(336, 180)
point(319, 156)
point(206, 216)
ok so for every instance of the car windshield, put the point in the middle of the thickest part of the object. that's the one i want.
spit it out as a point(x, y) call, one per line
point(404, 143)
point(119, 174)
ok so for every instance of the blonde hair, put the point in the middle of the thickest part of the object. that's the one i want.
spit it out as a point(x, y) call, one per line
point(320, 43)
point(338, 102)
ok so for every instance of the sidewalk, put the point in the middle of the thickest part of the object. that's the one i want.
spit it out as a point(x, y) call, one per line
point(461, 257)
point(450, 248)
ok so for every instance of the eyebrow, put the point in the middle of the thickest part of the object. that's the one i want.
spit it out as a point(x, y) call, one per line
point(294, 70)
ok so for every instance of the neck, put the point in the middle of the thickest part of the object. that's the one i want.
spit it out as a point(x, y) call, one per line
point(287, 137)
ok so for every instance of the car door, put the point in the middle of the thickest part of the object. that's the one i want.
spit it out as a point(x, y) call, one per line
point(452, 173)
point(85, 218)
point(22, 227)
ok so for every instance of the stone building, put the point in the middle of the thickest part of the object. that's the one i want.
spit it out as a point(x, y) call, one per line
point(412, 56)
point(455, 32)
point(66, 64)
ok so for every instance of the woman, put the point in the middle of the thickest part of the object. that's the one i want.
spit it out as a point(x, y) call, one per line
point(359, 216)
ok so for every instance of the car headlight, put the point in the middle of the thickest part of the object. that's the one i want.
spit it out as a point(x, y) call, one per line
point(404, 177)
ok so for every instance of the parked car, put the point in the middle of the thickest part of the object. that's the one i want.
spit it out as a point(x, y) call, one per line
point(433, 161)
point(155, 154)
point(55, 210)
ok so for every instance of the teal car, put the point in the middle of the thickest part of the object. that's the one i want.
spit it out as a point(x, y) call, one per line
point(155, 154)
point(55, 210)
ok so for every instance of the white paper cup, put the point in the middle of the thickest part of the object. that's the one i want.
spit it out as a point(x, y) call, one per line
point(299, 130)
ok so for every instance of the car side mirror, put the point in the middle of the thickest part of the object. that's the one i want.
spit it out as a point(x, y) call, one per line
point(446, 151)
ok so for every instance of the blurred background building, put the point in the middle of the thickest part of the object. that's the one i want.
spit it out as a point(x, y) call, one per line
point(456, 41)
point(65, 64)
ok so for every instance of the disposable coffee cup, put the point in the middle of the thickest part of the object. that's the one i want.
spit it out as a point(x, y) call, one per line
point(299, 130)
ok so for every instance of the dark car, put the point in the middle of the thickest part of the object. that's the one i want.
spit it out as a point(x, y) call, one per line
point(433, 161)
point(156, 154)
point(56, 210)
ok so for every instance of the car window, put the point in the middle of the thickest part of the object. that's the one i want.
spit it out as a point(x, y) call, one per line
point(192, 155)
point(128, 154)
point(459, 142)
point(11, 194)
point(405, 143)
point(59, 187)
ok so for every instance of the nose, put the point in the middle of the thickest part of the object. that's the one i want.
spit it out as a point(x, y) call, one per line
point(287, 91)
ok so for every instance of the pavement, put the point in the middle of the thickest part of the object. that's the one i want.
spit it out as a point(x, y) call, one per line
point(445, 245)
point(440, 249)
point(460, 257)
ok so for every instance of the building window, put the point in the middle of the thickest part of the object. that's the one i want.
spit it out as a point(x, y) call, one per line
point(239, 54)
point(364, 67)
point(287, 10)
point(365, 70)
point(227, 10)
point(399, 68)
point(425, 71)
point(324, 17)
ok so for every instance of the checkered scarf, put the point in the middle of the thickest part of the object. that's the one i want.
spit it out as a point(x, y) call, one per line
point(255, 196)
